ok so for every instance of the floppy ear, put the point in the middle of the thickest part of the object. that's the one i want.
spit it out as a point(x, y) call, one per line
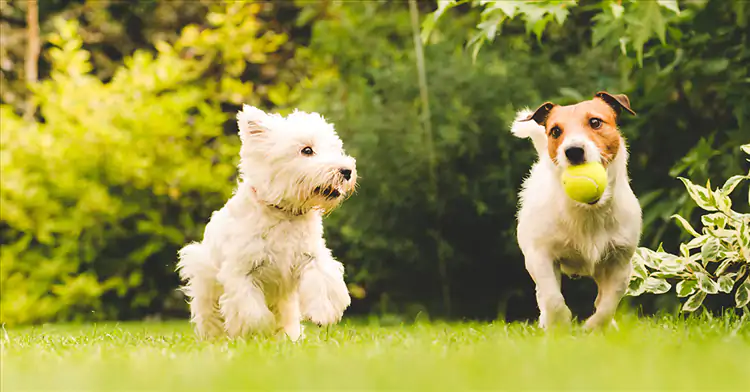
point(541, 113)
point(250, 121)
point(618, 102)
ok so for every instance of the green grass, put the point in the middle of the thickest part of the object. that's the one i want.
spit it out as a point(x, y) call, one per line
point(645, 354)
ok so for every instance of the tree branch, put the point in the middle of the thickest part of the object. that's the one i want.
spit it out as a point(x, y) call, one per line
point(32, 53)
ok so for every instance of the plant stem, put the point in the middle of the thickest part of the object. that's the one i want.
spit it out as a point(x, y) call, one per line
point(427, 124)
point(32, 53)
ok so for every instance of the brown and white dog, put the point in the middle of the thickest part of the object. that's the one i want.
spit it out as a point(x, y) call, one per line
point(557, 234)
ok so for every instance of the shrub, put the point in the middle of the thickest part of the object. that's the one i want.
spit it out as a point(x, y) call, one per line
point(715, 260)
point(97, 196)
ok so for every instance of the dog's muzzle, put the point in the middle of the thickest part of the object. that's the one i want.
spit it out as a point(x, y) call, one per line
point(575, 155)
point(328, 192)
point(346, 173)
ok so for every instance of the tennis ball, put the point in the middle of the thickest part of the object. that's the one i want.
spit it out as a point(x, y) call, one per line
point(585, 183)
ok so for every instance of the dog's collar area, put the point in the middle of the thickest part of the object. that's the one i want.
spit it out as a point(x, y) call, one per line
point(276, 206)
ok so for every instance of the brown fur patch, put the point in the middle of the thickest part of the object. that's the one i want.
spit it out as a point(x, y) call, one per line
point(574, 119)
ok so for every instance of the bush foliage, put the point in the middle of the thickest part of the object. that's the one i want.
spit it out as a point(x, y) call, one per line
point(715, 260)
point(131, 149)
point(97, 196)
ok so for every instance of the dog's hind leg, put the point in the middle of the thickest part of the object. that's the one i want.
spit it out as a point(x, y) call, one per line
point(202, 290)
point(612, 277)
point(204, 307)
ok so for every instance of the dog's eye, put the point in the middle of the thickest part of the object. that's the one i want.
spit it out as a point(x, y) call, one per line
point(307, 151)
point(555, 132)
point(595, 123)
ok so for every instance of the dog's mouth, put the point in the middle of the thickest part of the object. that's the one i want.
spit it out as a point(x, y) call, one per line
point(328, 192)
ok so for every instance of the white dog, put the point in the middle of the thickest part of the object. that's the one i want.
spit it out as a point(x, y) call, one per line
point(263, 265)
point(558, 234)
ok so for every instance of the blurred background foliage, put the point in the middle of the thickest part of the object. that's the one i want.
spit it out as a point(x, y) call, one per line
point(120, 152)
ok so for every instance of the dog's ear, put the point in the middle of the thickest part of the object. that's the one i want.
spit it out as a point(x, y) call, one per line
point(541, 113)
point(618, 102)
point(250, 121)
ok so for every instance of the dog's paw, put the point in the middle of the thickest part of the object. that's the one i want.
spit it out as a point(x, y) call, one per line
point(323, 297)
point(207, 329)
point(294, 331)
point(555, 316)
point(325, 311)
point(247, 320)
point(596, 322)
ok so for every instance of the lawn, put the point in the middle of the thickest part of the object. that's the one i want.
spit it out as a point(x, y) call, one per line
point(644, 354)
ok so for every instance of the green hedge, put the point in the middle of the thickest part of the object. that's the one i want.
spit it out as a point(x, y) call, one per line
point(114, 176)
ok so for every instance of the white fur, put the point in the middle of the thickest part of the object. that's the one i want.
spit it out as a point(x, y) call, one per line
point(557, 234)
point(263, 265)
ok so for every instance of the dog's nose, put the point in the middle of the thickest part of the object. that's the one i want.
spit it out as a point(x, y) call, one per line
point(346, 173)
point(575, 155)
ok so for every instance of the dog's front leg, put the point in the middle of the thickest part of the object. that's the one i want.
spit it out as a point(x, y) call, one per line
point(322, 290)
point(612, 277)
point(288, 316)
point(243, 303)
point(546, 275)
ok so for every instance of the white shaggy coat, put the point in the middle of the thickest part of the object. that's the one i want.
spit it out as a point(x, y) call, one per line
point(263, 265)
point(557, 234)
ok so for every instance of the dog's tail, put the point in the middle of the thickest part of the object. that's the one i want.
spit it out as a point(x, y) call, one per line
point(195, 265)
point(529, 128)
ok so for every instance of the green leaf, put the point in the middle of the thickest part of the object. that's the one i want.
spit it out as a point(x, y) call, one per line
point(706, 284)
point(726, 283)
point(604, 27)
point(664, 275)
point(710, 250)
point(639, 268)
point(635, 287)
point(647, 256)
point(697, 242)
point(215, 18)
point(700, 195)
point(488, 28)
point(431, 20)
point(693, 267)
point(684, 251)
point(617, 9)
point(723, 266)
point(694, 302)
point(646, 20)
point(732, 183)
point(718, 219)
point(715, 66)
point(742, 296)
point(686, 225)
point(670, 263)
point(509, 8)
point(743, 239)
point(723, 202)
point(656, 286)
point(670, 5)
point(686, 287)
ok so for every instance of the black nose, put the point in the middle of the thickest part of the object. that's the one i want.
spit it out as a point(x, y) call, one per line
point(574, 155)
point(346, 173)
